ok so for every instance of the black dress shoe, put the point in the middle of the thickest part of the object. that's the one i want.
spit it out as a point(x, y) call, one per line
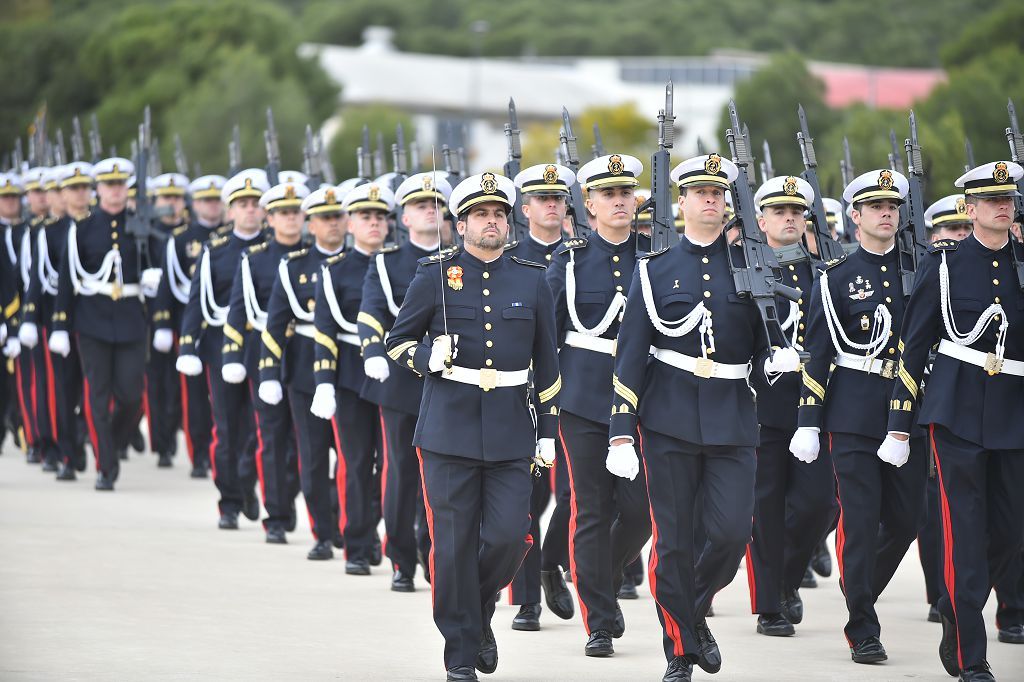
point(793, 607)
point(600, 644)
point(321, 551)
point(679, 670)
point(250, 503)
point(357, 567)
point(104, 482)
point(164, 461)
point(809, 579)
point(977, 673)
point(821, 562)
point(401, 582)
point(948, 646)
point(228, 521)
point(868, 650)
point(620, 622)
point(556, 594)
point(32, 456)
point(377, 551)
point(462, 673)
point(199, 470)
point(528, 618)
point(1012, 634)
point(50, 465)
point(66, 472)
point(774, 625)
point(276, 536)
point(709, 656)
point(628, 588)
point(487, 655)
point(933, 615)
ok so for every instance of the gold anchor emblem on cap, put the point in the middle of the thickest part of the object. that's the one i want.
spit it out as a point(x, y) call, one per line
point(713, 164)
point(550, 174)
point(374, 193)
point(885, 180)
point(615, 166)
point(488, 184)
point(961, 206)
point(789, 187)
point(1001, 174)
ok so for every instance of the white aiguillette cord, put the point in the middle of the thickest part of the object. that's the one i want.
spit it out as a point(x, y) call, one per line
point(440, 263)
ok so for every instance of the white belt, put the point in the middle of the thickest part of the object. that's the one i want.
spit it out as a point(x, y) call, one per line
point(987, 361)
point(115, 291)
point(486, 378)
point(594, 343)
point(883, 368)
point(702, 367)
point(309, 331)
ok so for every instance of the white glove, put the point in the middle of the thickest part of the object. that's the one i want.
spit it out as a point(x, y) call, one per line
point(270, 392)
point(325, 405)
point(150, 281)
point(377, 368)
point(60, 343)
point(189, 365)
point(784, 360)
point(894, 451)
point(233, 372)
point(805, 444)
point(28, 335)
point(546, 451)
point(440, 353)
point(12, 347)
point(622, 461)
point(163, 340)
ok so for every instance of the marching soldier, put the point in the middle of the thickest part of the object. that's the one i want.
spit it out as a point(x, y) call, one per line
point(184, 246)
point(776, 567)
point(590, 280)
point(545, 192)
point(947, 218)
point(288, 361)
point(99, 298)
point(488, 318)
point(276, 454)
point(856, 310)
point(683, 310)
point(339, 372)
point(968, 299)
point(201, 348)
point(423, 197)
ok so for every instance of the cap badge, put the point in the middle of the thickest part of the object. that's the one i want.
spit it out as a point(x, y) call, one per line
point(248, 183)
point(961, 206)
point(329, 197)
point(490, 186)
point(1001, 174)
point(713, 164)
point(289, 192)
point(428, 183)
point(615, 166)
point(373, 194)
point(116, 169)
point(455, 277)
point(885, 180)
point(550, 175)
point(789, 187)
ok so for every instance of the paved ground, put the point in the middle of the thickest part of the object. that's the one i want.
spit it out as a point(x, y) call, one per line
point(140, 584)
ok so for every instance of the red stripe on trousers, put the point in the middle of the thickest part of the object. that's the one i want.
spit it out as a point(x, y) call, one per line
point(213, 439)
point(340, 479)
point(949, 566)
point(572, 531)
point(259, 445)
point(30, 436)
point(51, 393)
point(430, 525)
point(184, 419)
point(384, 479)
point(145, 410)
point(93, 438)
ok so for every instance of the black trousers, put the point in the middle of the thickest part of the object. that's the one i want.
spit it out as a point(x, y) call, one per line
point(26, 389)
point(881, 509)
point(555, 550)
point(44, 407)
point(929, 542)
point(983, 527)
point(314, 438)
point(163, 402)
point(197, 419)
point(234, 440)
point(784, 539)
point(683, 585)
point(401, 495)
point(610, 521)
point(114, 379)
point(357, 430)
point(525, 586)
point(1010, 593)
point(479, 518)
point(66, 392)
point(277, 459)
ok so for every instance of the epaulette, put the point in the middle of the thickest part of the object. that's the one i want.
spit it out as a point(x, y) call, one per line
point(336, 258)
point(262, 246)
point(292, 255)
point(523, 261)
point(511, 245)
point(834, 262)
point(447, 254)
point(944, 245)
point(50, 220)
point(219, 241)
point(652, 254)
point(180, 230)
point(224, 229)
point(575, 243)
point(37, 219)
point(390, 248)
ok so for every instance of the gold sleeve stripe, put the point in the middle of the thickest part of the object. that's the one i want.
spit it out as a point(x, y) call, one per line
point(547, 394)
point(908, 380)
point(815, 387)
point(271, 344)
point(900, 345)
point(327, 342)
point(12, 308)
point(233, 334)
point(624, 391)
point(396, 352)
point(370, 321)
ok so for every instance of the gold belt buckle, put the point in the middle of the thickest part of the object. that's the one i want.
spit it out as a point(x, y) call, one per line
point(488, 379)
point(705, 368)
point(888, 370)
point(993, 365)
point(115, 292)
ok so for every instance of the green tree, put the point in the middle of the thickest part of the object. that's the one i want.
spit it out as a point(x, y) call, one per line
point(378, 119)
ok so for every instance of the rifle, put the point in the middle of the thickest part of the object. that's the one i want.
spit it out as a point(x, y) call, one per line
point(180, 161)
point(273, 150)
point(140, 222)
point(155, 166)
point(400, 173)
point(311, 161)
point(235, 152)
point(701, 151)
point(18, 157)
point(520, 228)
point(326, 167)
point(968, 155)
point(1013, 137)
point(912, 239)
point(767, 170)
point(598, 147)
point(95, 143)
point(895, 162)
point(414, 156)
point(60, 154)
point(77, 143)
point(378, 156)
point(846, 173)
point(567, 142)
point(663, 224)
point(828, 248)
point(746, 138)
point(364, 161)
point(757, 278)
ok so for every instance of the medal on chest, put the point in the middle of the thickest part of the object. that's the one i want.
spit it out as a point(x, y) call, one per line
point(860, 288)
point(455, 277)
